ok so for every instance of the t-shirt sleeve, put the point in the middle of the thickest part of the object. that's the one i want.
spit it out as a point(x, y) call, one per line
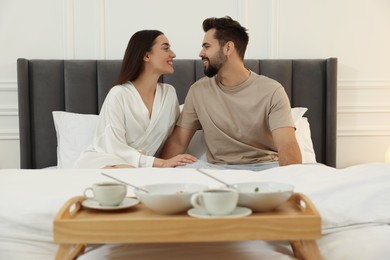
point(189, 118)
point(280, 111)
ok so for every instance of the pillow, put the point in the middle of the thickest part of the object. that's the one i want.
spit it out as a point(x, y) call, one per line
point(197, 146)
point(303, 134)
point(305, 142)
point(74, 134)
point(297, 113)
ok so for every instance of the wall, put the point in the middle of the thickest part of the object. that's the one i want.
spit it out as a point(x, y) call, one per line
point(354, 31)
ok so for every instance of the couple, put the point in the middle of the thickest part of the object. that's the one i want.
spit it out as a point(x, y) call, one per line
point(245, 117)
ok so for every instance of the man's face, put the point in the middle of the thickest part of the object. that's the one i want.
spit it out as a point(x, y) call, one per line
point(212, 54)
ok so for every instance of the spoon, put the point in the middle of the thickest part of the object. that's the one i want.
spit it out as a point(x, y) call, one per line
point(131, 185)
point(205, 173)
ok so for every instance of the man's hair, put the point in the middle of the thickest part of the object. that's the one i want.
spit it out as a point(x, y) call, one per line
point(228, 29)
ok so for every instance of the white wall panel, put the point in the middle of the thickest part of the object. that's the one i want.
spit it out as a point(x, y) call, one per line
point(363, 91)
point(352, 30)
point(181, 21)
point(363, 121)
point(7, 154)
point(9, 125)
point(87, 28)
point(8, 92)
point(257, 17)
point(361, 149)
point(31, 29)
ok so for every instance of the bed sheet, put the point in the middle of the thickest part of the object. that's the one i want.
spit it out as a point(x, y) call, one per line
point(357, 244)
point(352, 202)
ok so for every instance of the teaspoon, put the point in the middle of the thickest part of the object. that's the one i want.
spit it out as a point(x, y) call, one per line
point(131, 185)
point(221, 181)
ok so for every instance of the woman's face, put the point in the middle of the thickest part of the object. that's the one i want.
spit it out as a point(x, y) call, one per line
point(161, 56)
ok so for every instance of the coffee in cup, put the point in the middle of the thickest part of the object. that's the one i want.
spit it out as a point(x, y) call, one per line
point(217, 202)
point(107, 193)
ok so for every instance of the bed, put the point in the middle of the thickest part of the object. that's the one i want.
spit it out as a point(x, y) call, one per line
point(80, 86)
point(353, 202)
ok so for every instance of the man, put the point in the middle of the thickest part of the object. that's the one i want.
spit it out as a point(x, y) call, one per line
point(246, 117)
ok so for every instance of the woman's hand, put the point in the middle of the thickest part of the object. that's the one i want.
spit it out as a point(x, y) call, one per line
point(178, 160)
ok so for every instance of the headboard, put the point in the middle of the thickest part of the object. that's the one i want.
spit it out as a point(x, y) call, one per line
point(80, 86)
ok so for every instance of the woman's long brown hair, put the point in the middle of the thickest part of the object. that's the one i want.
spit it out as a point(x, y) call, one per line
point(139, 44)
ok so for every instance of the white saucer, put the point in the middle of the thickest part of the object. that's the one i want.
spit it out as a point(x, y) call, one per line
point(237, 212)
point(126, 203)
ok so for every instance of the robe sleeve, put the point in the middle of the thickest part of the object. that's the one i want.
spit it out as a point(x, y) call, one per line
point(112, 139)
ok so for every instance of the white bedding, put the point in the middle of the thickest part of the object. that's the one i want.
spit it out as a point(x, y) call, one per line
point(353, 203)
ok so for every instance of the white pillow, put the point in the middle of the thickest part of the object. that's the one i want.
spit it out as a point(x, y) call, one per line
point(303, 134)
point(197, 146)
point(74, 134)
point(297, 113)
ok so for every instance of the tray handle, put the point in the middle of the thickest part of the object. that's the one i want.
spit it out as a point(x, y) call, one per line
point(304, 203)
point(70, 208)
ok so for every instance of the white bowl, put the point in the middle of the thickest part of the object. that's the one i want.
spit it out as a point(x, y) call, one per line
point(263, 196)
point(168, 198)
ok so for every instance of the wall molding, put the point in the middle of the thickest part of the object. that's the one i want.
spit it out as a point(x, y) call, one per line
point(373, 131)
point(372, 85)
point(8, 86)
point(8, 110)
point(69, 34)
point(273, 51)
point(101, 15)
point(363, 84)
point(9, 135)
point(68, 29)
point(345, 108)
point(242, 12)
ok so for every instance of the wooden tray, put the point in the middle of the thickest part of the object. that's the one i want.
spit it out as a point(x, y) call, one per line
point(297, 220)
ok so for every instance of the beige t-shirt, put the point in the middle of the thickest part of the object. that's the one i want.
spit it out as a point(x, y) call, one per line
point(237, 121)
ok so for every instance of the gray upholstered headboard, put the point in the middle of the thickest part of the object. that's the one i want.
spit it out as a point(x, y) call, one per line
point(80, 86)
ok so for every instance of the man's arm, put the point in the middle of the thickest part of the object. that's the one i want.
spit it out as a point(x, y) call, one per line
point(177, 142)
point(287, 145)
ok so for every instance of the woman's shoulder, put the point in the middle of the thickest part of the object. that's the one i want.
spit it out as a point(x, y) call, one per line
point(119, 89)
point(165, 87)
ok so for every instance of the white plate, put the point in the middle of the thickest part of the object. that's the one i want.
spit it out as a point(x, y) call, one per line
point(237, 212)
point(126, 203)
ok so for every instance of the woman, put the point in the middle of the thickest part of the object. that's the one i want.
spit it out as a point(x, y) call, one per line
point(138, 113)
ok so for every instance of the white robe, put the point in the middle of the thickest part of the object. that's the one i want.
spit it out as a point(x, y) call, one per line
point(125, 132)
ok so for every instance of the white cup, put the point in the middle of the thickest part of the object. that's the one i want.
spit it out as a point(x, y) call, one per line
point(217, 202)
point(107, 193)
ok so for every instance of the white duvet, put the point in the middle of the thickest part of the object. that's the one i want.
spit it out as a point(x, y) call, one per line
point(354, 204)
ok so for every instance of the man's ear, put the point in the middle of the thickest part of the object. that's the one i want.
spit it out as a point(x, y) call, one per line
point(229, 47)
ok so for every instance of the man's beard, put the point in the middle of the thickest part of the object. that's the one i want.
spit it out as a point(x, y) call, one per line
point(211, 71)
point(214, 67)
